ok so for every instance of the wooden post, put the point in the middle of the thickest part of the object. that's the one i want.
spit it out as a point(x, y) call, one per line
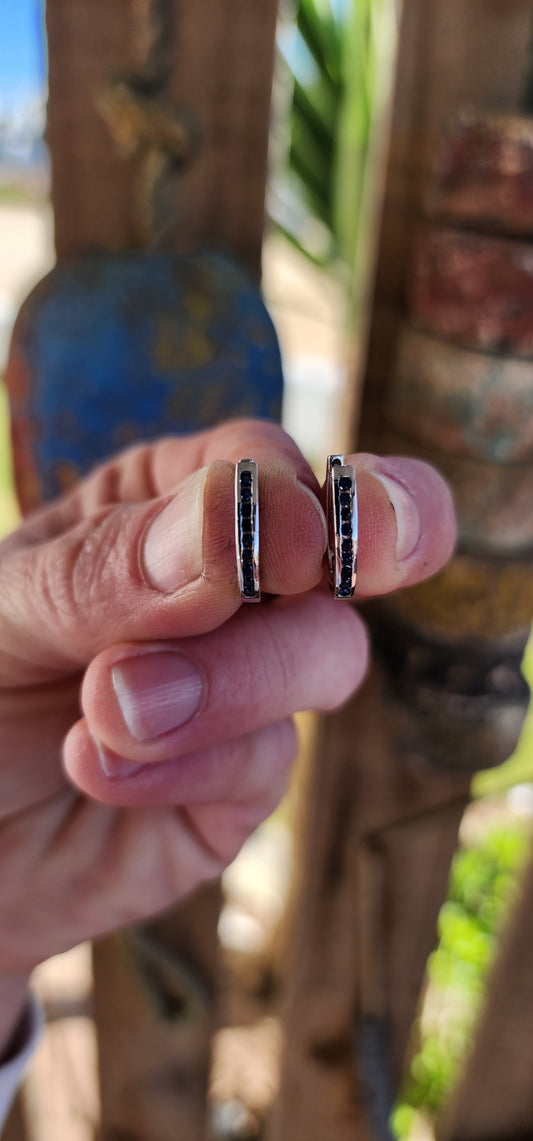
point(158, 126)
point(393, 769)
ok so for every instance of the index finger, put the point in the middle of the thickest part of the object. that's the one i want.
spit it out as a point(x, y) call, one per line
point(152, 570)
point(148, 470)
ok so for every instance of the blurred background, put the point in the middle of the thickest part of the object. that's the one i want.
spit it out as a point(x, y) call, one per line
point(332, 82)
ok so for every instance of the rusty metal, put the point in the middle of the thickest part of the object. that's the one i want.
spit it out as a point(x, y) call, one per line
point(461, 402)
point(484, 173)
point(474, 290)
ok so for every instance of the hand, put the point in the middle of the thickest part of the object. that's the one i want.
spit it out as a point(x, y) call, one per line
point(128, 588)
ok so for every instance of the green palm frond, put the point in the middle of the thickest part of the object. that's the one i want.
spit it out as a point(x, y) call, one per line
point(332, 115)
point(322, 35)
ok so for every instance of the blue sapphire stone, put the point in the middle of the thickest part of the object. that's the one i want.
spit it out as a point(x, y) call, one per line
point(248, 540)
point(246, 510)
point(345, 483)
point(344, 591)
point(345, 499)
point(246, 525)
point(246, 494)
point(246, 479)
point(346, 528)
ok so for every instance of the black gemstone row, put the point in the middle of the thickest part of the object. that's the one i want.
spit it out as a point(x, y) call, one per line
point(246, 528)
point(346, 529)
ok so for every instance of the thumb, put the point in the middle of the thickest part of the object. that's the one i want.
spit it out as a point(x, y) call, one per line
point(151, 571)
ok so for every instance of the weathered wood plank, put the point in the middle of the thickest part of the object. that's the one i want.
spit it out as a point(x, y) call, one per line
point(392, 835)
point(158, 124)
point(91, 182)
point(222, 75)
point(363, 934)
point(154, 1011)
point(452, 54)
point(120, 75)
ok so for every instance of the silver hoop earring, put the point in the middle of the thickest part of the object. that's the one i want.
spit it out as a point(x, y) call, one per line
point(341, 507)
point(247, 530)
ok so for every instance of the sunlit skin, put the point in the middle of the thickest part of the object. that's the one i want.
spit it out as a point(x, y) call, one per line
point(108, 814)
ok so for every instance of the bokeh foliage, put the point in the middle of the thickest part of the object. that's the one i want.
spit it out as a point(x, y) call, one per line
point(484, 882)
point(335, 58)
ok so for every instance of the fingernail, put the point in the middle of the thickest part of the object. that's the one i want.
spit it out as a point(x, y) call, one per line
point(172, 555)
point(157, 692)
point(114, 767)
point(406, 512)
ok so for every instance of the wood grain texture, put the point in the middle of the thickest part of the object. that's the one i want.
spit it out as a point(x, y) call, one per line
point(94, 206)
point(131, 82)
point(217, 76)
point(379, 819)
point(452, 54)
point(223, 74)
point(385, 810)
point(155, 1015)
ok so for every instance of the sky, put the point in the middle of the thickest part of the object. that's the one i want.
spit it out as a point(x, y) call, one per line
point(21, 53)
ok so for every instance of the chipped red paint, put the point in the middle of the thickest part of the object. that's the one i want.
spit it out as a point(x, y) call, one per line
point(461, 402)
point(484, 173)
point(474, 290)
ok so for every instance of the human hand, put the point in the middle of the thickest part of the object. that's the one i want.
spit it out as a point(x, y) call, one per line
point(185, 740)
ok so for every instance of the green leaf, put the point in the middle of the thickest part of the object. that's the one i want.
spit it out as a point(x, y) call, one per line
point(322, 37)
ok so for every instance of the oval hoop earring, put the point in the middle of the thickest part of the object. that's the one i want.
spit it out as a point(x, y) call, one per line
point(247, 530)
point(341, 508)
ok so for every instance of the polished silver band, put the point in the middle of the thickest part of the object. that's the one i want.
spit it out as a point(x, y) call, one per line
point(341, 506)
point(247, 530)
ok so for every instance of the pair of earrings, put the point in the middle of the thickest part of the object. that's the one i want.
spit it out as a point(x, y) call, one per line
point(341, 507)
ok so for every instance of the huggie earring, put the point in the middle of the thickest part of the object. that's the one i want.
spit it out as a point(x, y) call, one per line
point(247, 530)
point(341, 507)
